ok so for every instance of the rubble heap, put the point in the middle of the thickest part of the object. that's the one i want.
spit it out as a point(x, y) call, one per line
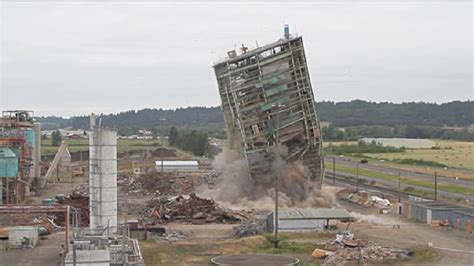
point(369, 253)
point(164, 183)
point(77, 201)
point(79, 198)
point(345, 249)
point(193, 209)
point(247, 229)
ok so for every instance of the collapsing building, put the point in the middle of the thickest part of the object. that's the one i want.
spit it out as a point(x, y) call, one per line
point(267, 98)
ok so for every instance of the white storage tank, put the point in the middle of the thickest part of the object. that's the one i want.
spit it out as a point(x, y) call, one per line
point(103, 179)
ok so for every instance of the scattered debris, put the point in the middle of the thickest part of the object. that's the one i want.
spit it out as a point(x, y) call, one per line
point(174, 235)
point(163, 183)
point(364, 198)
point(77, 200)
point(349, 249)
point(343, 236)
point(321, 253)
point(247, 229)
point(193, 209)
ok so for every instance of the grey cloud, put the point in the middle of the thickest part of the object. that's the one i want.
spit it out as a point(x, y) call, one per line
point(69, 58)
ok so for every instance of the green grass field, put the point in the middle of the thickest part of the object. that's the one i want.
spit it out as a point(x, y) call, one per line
point(458, 156)
point(83, 145)
point(404, 180)
point(454, 154)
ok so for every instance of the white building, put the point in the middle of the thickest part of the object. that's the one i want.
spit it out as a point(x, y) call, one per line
point(170, 166)
point(309, 219)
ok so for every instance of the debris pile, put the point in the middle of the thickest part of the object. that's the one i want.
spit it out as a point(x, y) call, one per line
point(366, 199)
point(81, 202)
point(174, 235)
point(163, 183)
point(76, 200)
point(45, 225)
point(212, 178)
point(193, 209)
point(345, 249)
point(82, 190)
point(248, 229)
point(370, 253)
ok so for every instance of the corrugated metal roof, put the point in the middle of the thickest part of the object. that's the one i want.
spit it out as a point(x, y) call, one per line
point(312, 213)
point(177, 163)
point(306, 224)
point(468, 211)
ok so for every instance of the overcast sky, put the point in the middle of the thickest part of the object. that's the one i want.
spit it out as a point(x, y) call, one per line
point(77, 58)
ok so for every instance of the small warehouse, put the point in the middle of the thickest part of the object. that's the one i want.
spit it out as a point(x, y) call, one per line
point(428, 211)
point(170, 166)
point(23, 236)
point(309, 219)
point(464, 220)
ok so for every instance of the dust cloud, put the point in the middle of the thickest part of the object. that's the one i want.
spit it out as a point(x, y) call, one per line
point(237, 190)
point(372, 219)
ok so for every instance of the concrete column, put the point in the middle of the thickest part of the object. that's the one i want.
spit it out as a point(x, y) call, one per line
point(103, 179)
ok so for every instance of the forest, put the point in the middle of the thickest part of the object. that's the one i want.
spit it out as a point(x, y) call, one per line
point(348, 120)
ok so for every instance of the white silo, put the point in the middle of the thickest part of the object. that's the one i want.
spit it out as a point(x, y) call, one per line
point(103, 178)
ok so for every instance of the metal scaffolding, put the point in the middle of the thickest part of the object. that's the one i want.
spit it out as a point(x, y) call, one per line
point(265, 93)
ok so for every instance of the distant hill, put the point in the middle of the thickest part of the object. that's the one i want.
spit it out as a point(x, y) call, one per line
point(357, 112)
point(340, 114)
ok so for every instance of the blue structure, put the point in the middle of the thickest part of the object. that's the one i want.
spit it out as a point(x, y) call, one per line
point(427, 211)
point(8, 167)
point(30, 136)
point(8, 163)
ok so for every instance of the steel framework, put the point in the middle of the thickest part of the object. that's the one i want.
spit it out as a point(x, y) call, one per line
point(267, 92)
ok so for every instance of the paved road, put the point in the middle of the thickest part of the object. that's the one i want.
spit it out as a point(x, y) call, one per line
point(392, 171)
point(45, 253)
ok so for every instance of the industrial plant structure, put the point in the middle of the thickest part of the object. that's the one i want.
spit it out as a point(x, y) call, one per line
point(101, 244)
point(267, 99)
point(20, 155)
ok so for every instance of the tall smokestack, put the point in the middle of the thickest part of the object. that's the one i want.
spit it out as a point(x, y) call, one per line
point(103, 178)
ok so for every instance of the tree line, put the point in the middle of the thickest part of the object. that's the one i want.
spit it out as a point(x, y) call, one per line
point(339, 114)
point(331, 132)
point(349, 120)
point(357, 112)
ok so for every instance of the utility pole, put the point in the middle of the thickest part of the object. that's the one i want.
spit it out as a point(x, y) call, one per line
point(436, 185)
point(74, 255)
point(161, 151)
point(124, 229)
point(277, 177)
point(399, 184)
point(334, 171)
point(357, 175)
